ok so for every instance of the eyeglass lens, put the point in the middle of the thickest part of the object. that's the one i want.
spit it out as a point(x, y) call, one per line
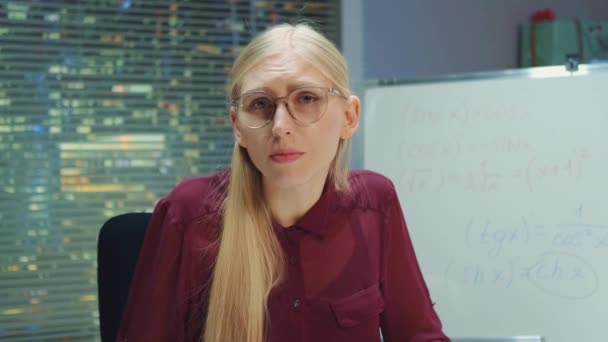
point(306, 105)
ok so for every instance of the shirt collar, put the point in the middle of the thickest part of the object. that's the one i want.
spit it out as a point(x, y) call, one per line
point(315, 221)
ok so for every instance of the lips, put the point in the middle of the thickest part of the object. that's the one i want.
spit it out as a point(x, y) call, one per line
point(286, 156)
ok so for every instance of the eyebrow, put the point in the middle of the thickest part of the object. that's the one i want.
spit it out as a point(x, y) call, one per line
point(290, 87)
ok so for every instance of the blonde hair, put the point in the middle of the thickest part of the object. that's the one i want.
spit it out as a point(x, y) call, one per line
point(249, 263)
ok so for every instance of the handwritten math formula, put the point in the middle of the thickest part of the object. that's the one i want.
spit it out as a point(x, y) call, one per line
point(559, 268)
point(462, 114)
point(509, 174)
point(495, 238)
point(437, 167)
point(559, 274)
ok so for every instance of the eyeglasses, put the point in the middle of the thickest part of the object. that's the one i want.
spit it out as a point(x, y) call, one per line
point(306, 105)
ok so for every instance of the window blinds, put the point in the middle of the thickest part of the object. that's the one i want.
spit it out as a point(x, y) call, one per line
point(104, 107)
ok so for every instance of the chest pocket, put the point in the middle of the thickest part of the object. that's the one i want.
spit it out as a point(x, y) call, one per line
point(359, 307)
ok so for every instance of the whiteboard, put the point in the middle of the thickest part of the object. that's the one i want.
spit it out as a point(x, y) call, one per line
point(503, 179)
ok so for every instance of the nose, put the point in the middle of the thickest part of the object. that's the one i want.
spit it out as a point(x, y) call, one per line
point(282, 123)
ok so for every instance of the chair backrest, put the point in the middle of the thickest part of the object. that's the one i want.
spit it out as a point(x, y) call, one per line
point(118, 246)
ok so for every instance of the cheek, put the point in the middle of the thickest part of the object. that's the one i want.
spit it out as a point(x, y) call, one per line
point(330, 132)
point(333, 126)
point(255, 145)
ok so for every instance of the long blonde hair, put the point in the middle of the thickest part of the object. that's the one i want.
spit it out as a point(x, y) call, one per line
point(249, 262)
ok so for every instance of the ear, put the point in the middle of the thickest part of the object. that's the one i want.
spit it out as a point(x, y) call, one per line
point(238, 136)
point(351, 116)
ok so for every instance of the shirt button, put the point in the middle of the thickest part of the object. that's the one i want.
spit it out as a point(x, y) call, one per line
point(297, 303)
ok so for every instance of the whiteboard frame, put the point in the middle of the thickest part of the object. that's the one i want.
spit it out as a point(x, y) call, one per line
point(535, 72)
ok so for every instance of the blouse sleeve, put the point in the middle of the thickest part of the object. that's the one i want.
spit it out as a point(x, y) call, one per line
point(409, 315)
point(154, 311)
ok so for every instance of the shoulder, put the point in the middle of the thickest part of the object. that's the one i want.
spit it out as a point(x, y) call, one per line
point(371, 180)
point(369, 189)
point(196, 197)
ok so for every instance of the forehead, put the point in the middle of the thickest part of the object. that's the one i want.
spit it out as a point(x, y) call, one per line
point(280, 73)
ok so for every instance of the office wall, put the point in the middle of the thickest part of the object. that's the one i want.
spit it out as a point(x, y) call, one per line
point(413, 38)
point(400, 39)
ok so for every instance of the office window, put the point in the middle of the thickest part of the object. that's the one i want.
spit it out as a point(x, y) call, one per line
point(104, 106)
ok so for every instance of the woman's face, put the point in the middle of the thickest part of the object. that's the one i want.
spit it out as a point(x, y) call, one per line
point(287, 153)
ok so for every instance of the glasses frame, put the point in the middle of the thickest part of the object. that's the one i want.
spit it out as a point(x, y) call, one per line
point(275, 100)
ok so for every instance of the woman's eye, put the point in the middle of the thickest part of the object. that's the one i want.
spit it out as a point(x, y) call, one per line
point(307, 98)
point(259, 104)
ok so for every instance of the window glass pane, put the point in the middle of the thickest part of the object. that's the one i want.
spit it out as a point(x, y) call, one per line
point(104, 106)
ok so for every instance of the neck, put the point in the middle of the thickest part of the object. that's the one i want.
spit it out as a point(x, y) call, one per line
point(288, 205)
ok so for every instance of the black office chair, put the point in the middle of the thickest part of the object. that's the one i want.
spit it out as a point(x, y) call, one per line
point(120, 240)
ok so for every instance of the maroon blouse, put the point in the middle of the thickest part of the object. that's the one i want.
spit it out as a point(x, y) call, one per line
point(351, 269)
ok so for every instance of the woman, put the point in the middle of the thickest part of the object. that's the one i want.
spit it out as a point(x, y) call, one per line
point(287, 245)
